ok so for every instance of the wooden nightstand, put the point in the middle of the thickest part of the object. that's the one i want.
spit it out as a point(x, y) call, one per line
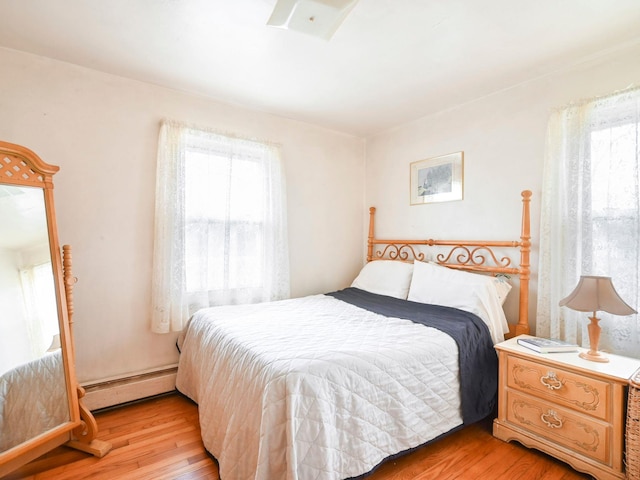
point(568, 407)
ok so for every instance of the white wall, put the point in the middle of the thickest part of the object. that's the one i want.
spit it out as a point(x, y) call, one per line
point(102, 131)
point(503, 138)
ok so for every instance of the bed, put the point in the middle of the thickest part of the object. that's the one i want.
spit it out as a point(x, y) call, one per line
point(329, 386)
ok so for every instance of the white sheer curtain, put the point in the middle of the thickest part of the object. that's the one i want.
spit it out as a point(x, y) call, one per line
point(590, 218)
point(41, 311)
point(220, 224)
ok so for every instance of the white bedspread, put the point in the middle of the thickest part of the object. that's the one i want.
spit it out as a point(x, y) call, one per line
point(33, 400)
point(315, 388)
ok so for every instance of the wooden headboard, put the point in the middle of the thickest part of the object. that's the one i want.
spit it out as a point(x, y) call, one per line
point(481, 256)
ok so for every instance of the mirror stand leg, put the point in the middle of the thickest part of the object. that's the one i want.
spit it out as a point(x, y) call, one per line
point(85, 435)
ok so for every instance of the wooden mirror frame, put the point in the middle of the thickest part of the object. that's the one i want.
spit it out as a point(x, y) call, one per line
point(21, 167)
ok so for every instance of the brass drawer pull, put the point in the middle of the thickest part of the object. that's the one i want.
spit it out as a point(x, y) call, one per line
point(551, 381)
point(551, 419)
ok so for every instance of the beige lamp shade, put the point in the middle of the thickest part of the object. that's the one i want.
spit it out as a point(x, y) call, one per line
point(593, 294)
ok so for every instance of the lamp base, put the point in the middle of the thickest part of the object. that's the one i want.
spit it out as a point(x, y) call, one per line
point(593, 357)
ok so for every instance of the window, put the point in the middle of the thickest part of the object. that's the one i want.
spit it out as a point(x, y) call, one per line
point(39, 296)
point(614, 199)
point(220, 224)
point(590, 222)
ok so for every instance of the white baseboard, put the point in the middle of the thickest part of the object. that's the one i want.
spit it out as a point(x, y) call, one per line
point(123, 390)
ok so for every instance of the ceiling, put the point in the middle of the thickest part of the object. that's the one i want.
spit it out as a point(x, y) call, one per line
point(391, 61)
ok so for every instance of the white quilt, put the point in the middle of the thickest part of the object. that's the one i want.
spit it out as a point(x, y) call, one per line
point(315, 388)
point(33, 400)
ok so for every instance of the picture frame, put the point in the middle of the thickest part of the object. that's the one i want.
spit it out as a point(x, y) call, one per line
point(437, 179)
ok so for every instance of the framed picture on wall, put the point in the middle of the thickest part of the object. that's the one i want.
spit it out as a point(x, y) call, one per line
point(437, 179)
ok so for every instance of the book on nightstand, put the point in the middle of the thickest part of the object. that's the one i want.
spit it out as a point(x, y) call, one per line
point(547, 345)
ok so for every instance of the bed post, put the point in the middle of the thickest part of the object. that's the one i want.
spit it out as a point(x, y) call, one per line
point(372, 212)
point(522, 326)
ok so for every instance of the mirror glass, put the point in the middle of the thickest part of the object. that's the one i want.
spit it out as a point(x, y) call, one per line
point(33, 396)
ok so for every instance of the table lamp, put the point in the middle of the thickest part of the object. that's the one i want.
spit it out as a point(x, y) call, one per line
point(592, 294)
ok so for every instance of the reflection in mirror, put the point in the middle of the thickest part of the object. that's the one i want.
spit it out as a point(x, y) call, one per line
point(31, 370)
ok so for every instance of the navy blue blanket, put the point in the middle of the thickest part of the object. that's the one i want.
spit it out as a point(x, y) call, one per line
point(478, 359)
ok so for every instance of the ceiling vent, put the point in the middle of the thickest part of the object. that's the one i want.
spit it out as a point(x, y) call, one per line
point(319, 18)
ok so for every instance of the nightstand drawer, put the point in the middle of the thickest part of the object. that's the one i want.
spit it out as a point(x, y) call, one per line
point(562, 426)
point(578, 392)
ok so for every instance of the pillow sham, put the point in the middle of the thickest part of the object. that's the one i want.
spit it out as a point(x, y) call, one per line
point(385, 277)
point(448, 287)
point(503, 287)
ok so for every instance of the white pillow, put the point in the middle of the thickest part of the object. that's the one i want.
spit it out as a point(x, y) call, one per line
point(385, 277)
point(503, 287)
point(448, 287)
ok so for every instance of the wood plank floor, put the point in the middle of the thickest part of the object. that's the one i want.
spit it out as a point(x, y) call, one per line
point(159, 438)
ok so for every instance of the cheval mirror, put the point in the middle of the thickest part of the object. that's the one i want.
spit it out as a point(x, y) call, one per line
point(40, 400)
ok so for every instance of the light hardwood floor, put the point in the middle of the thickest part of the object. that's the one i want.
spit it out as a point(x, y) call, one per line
point(160, 439)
